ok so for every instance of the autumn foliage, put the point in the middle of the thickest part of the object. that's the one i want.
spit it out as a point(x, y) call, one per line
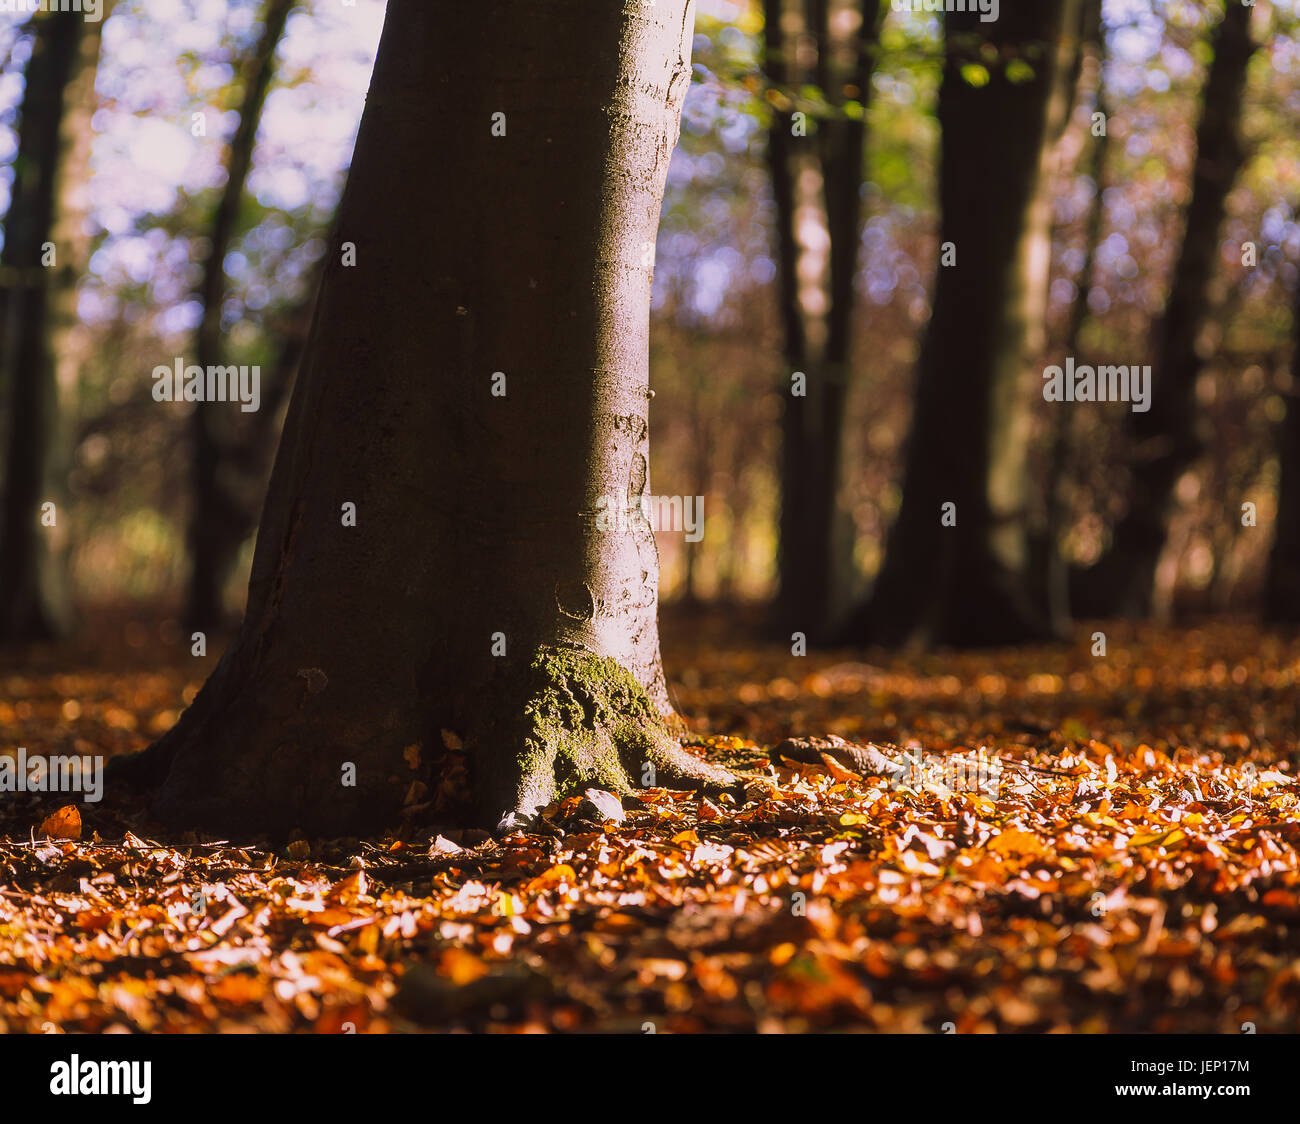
point(1136, 868)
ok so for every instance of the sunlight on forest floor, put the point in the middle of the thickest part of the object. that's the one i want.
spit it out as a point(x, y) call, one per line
point(1142, 877)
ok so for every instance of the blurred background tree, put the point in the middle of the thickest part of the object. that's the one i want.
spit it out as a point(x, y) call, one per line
point(45, 253)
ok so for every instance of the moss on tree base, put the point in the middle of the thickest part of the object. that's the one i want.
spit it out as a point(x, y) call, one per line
point(570, 719)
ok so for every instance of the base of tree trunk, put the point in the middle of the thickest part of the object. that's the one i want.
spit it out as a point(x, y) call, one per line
point(562, 721)
point(974, 613)
point(1282, 597)
point(1120, 585)
point(36, 624)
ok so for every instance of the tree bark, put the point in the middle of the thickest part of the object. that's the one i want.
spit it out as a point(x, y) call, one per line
point(844, 140)
point(795, 604)
point(503, 201)
point(1057, 568)
point(1166, 438)
point(966, 584)
point(37, 363)
point(215, 527)
point(816, 540)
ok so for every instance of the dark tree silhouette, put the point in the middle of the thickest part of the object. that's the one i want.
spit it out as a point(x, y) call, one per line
point(965, 582)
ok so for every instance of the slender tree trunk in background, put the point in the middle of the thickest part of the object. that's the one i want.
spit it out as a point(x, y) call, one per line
point(967, 584)
point(1067, 70)
point(843, 154)
point(1166, 438)
point(477, 386)
point(215, 525)
point(37, 363)
point(1059, 441)
point(796, 567)
point(1282, 589)
point(816, 536)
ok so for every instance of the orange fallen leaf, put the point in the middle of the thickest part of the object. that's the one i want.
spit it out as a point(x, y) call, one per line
point(1016, 842)
point(63, 824)
point(837, 770)
point(461, 967)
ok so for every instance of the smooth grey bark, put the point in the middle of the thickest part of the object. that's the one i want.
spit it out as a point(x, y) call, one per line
point(478, 517)
point(1167, 439)
point(967, 584)
point(216, 529)
point(37, 363)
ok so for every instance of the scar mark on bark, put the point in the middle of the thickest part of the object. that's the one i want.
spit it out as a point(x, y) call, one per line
point(636, 481)
point(633, 425)
point(575, 600)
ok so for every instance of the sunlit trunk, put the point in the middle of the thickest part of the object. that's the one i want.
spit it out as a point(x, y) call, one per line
point(474, 399)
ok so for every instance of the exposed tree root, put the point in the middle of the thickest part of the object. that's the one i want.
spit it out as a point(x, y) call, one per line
point(572, 719)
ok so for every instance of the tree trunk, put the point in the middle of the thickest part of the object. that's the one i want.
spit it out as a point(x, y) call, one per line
point(965, 584)
point(816, 539)
point(37, 364)
point(796, 595)
point(843, 152)
point(1057, 568)
point(477, 386)
point(215, 526)
point(1282, 589)
point(1166, 438)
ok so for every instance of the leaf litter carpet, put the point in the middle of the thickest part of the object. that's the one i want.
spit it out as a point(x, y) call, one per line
point(1082, 844)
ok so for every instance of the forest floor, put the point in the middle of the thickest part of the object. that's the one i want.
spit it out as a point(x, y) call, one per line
point(1126, 861)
